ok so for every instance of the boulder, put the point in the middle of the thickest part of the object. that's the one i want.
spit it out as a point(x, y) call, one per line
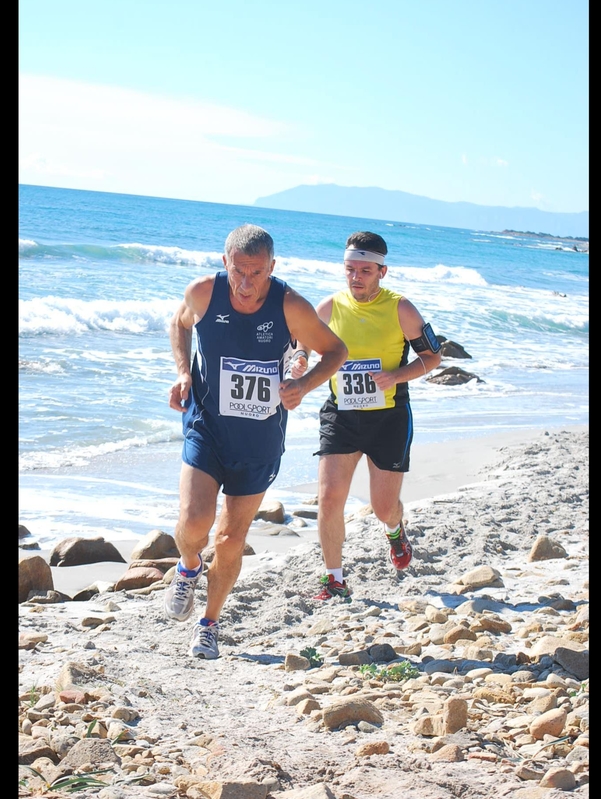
point(155, 545)
point(577, 663)
point(138, 577)
point(305, 513)
point(34, 575)
point(453, 376)
point(90, 750)
point(545, 548)
point(77, 551)
point(351, 710)
point(271, 511)
point(232, 789)
point(450, 349)
point(162, 564)
point(208, 553)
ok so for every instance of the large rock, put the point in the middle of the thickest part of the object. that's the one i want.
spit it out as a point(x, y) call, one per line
point(30, 749)
point(75, 674)
point(208, 554)
point(155, 545)
point(305, 513)
point(77, 551)
point(550, 723)
point(345, 711)
point(34, 575)
point(549, 644)
point(480, 577)
point(450, 349)
point(271, 511)
point(138, 577)
point(576, 662)
point(162, 564)
point(453, 376)
point(545, 548)
point(233, 789)
point(90, 750)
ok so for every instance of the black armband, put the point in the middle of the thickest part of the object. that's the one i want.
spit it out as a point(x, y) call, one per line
point(427, 340)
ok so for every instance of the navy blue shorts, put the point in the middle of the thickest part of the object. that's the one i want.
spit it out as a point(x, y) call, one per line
point(236, 479)
point(385, 436)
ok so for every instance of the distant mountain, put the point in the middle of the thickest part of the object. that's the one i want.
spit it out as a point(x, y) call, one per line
point(399, 206)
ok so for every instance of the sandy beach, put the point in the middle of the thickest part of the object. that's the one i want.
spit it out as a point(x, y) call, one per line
point(260, 721)
point(435, 469)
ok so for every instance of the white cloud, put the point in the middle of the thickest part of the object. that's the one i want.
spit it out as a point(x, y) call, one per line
point(99, 106)
point(464, 159)
point(539, 199)
point(106, 138)
point(499, 162)
point(37, 163)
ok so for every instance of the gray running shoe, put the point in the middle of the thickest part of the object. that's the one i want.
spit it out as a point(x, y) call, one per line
point(204, 642)
point(179, 597)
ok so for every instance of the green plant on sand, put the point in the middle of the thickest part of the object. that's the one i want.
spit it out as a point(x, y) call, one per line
point(397, 672)
point(78, 782)
point(314, 658)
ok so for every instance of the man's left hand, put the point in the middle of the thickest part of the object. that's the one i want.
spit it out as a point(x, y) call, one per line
point(291, 394)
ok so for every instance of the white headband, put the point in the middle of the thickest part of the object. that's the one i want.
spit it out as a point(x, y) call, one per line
point(364, 255)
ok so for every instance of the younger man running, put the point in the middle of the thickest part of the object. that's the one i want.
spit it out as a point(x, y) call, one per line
point(368, 411)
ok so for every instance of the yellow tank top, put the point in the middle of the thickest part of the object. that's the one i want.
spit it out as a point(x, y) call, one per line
point(373, 336)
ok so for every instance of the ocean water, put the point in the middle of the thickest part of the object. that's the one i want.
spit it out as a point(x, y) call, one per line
point(101, 274)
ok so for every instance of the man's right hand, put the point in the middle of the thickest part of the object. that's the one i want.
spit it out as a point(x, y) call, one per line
point(298, 366)
point(178, 393)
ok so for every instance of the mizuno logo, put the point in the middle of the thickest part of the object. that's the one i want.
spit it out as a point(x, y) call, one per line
point(223, 318)
point(271, 477)
point(232, 364)
point(396, 465)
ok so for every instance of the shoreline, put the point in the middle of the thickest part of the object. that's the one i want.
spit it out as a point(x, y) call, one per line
point(579, 244)
point(437, 469)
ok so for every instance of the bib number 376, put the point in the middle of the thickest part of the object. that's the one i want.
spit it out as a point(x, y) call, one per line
point(249, 389)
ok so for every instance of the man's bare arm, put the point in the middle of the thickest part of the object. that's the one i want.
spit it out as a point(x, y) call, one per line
point(301, 362)
point(193, 307)
point(412, 324)
point(306, 326)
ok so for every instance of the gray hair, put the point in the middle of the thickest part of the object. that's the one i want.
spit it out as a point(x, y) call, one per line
point(250, 240)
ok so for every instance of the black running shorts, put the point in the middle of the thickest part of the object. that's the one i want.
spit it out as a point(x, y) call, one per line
point(385, 436)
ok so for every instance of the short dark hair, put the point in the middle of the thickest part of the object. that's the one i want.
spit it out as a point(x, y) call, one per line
point(364, 240)
point(249, 239)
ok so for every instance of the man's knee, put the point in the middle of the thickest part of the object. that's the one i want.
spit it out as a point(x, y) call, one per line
point(229, 548)
point(332, 494)
point(195, 525)
point(386, 509)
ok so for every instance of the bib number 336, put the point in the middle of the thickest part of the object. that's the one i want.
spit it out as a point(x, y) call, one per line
point(356, 388)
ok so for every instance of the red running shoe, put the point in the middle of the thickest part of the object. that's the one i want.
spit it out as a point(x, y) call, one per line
point(332, 588)
point(400, 553)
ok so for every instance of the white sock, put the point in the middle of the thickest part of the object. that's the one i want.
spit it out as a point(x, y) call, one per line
point(189, 572)
point(393, 531)
point(336, 573)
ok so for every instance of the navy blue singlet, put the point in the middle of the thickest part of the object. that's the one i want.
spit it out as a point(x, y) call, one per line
point(234, 404)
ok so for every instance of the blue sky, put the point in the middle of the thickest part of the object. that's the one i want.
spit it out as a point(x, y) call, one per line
point(225, 101)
